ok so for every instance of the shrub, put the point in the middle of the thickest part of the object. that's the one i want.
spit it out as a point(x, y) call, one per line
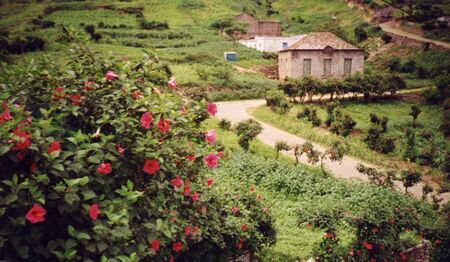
point(247, 131)
point(408, 67)
point(376, 138)
point(360, 33)
point(277, 101)
point(281, 145)
point(311, 116)
point(386, 38)
point(29, 44)
point(410, 152)
point(394, 64)
point(414, 113)
point(153, 25)
point(191, 4)
point(410, 178)
point(88, 174)
point(342, 125)
point(330, 114)
point(225, 124)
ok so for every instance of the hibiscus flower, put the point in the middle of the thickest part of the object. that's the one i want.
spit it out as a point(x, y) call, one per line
point(212, 109)
point(176, 182)
point(210, 181)
point(146, 120)
point(94, 211)
point(177, 246)
point(211, 160)
point(151, 167)
point(110, 75)
point(24, 142)
point(172, 83)
point(164, 125)
point(54, 147)
point(36, 214)
point(155, 245)
point(210, 136)
point(195, 197)
point(104, 168)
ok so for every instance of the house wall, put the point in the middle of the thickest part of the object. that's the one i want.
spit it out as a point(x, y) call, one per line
point(257, 27)
point(270, 44)
point(295, 60)
point(284, 65)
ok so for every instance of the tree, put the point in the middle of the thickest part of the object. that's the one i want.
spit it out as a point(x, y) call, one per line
point(381, 178)
point(281, 145)
point(360, 33)
point(247, 130)
point(222, 23)
point(410, 178)
point(415, 111)
point(235, 31)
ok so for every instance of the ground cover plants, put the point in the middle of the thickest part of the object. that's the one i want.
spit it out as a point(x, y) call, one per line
point(102, 160)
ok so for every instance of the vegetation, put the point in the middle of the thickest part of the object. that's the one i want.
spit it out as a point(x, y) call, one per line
point(247, 131)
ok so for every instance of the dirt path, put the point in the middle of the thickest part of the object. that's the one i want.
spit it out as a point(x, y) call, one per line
point(237, 111)
point(390, 28)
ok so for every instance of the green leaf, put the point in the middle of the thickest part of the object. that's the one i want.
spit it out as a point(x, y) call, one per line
point(77, 181)
point(71, 197)
point(58, 166)
point(88, 194)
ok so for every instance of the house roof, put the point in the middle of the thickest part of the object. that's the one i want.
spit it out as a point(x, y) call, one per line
point(320, 40)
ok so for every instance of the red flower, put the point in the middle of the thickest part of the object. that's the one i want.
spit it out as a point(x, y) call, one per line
point(25, 140)
point(176, 182)
point(391, 221)
point(76, 99)
point(210, 136)
point(104, 168)
point(164, 125)
point(437, 242)
point(54, 147)
point(373, 260)
point(252, 189)
point(94, 211)
point(5, 116)
point(187, 230)
point(220, 154)
point(234, 210)
point(195, 230)
point(210, 181)
point(59, 90)
point(367, 245)
point(155, 245)
point(212, 109)
point(244, 227)
point(375, 230)
point(36, 214)
point(329, 234)
point(177, 246)
point(110, 75)
point(171, 259)
point(137, 95)
point(58, 95)
point(88, 86)
point(146, 120)
point(172, 82)
point(195, 197)
point(239, 245)
point(120, 150)
point(211, 160)
point(151, 167)
point(34, 167)
point(403, 256)
point(190, 158)
point(187, 188)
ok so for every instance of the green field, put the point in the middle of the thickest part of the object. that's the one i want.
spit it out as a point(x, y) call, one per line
point(396, 111)
point(187, 44)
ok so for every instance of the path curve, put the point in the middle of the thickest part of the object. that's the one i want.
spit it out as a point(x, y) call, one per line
point(236, 111)
point(390, 28)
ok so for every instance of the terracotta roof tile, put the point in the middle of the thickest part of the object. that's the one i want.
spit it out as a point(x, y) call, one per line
point(319, 40)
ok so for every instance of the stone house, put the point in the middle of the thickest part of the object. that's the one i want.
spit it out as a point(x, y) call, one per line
point(271, 43)
point(322, 55)
point(258, 27)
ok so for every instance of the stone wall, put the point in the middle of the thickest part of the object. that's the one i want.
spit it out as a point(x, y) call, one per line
point(403, 40)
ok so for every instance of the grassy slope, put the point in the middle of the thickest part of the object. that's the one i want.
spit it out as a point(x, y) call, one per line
point(397, 112)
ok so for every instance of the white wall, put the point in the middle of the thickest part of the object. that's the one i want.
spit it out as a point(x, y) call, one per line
point(270, 44)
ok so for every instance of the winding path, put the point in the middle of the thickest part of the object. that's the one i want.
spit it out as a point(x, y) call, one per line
point(236, 111)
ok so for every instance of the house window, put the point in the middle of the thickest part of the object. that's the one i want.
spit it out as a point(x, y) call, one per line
point(347, 66)
point(285, 45)
point(327, 67)
point(306, 67)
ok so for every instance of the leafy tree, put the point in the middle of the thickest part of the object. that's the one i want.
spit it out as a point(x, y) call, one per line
point(343, 124)
point(410, 152)
point(247, 131)
point(415, 111)
point(410, 178)
point(235, 32)
point(330, 113)
point(311, 116)
point(376, 138)
point(222, 23)
point(360, 33)
point(281, 145)
point(381, 178)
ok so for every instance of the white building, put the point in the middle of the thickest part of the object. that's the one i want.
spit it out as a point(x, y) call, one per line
point(271, 43)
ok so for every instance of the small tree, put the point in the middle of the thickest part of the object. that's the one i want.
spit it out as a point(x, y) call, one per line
point(247, 130)
point(342, 125)
point(427, 189)
point(410, 178)
point(281, 145)
point(381, 178)
point(376, 138)
point(235, 31)
point(410, 152)
point(330, 114)
point(415, 111)
point(225, 124)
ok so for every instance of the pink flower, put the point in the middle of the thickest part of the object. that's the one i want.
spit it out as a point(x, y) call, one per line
point(212, 109)
point(104, 168)
point(34, 167)
point(120, 150)
point(155, 245)
point(244, 227)
point(151, 167)
point(36, 214)
point(187, 230)
point(190, 158)
point(195, 197)
point(234, 210)
point(164, 125)
point(187, 188)
point(110, 75)
point(94, 211)
point(210, 181)
point(177, 246)
point(176, 182)
point(172, 82)
point(76, 99)
point(210, 136)
point(54, 147)
point(211, 160)
point(146, 120)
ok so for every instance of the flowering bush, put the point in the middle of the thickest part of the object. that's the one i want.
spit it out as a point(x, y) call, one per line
point(102, 160)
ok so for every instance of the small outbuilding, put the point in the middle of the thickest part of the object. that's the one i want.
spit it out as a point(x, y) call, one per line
point(322, 55)
point(257, 27)
point(271, 43)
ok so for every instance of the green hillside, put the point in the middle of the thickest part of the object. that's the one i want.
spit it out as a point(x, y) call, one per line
point(188, 45)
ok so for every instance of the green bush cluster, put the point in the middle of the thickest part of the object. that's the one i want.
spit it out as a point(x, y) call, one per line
point(101, 160)
point(378, 216)
point(376, 138)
